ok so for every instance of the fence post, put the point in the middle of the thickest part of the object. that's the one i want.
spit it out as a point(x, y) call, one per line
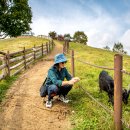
point(42, 49)
point(63, 48)
point(52, 44)
point(72, 63)
point(24, 57)
point(117, 92)
point(34, 53)
point(67, 42)
point(47, 48)
point(7, 63)
point(4, 71)
point(66, 47)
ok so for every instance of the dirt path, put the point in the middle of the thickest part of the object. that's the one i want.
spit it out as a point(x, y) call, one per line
point(25, 110)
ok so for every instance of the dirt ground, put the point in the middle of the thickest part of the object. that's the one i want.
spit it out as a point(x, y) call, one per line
point(24, 109)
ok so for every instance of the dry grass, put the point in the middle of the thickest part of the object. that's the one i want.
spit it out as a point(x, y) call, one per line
point(17, 44)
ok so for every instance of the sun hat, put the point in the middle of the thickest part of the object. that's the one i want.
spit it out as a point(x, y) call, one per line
point(59, 58)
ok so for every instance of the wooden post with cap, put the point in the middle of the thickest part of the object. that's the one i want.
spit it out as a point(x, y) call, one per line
point(117, 92)
point(72, 63)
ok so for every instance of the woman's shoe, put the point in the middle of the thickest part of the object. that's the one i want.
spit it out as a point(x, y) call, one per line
point(48, 104)
point(64, 99)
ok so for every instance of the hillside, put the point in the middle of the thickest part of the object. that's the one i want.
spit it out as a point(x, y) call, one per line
point(16, 44)
point(88, 113)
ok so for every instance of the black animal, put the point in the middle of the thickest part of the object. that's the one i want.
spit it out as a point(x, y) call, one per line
point(106, 83)
point(125, 95)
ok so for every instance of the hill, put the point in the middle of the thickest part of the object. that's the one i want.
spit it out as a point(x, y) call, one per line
point(16, 44)
point(88, 114)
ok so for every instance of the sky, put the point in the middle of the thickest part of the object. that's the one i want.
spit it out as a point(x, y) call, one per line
point(105, 22)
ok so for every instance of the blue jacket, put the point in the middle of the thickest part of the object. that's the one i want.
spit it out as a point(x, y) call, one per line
point(56, 77)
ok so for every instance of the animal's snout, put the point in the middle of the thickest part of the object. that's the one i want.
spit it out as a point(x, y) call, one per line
point(125, 96)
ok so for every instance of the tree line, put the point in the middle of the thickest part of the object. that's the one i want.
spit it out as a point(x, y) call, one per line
point(79, 36)
point(117, 47)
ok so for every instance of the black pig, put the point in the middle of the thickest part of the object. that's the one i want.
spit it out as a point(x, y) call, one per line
point(106, 83)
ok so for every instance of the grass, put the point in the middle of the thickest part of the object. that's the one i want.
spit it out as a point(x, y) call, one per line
point(4, 86)
point(17, 44)
point(88, 115)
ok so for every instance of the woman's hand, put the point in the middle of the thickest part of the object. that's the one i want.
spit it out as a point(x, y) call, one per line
point(74, 80)
point(71, 82)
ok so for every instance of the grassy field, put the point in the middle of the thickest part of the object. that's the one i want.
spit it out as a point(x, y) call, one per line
point(87, 114)
point(4, 86)
point(17, 44)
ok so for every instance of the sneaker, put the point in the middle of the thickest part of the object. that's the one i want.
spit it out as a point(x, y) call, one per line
point(48, 104)
point(63, 99)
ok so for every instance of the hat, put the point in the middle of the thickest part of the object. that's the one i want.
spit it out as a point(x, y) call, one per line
point(60, 58)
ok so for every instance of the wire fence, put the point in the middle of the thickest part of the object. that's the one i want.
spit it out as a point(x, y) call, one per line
point(97, 66)
point(104, 106)
point(99, 103)
point(125, 72)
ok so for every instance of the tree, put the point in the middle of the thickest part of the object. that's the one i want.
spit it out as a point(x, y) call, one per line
point(67, 37)
point(60, 37)
point(15, 17)
point(106, 48)
point(53, 34)
point(80, 37)
point(118, 47)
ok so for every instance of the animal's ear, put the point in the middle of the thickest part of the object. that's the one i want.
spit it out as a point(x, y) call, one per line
point(124, 90)
point(128, 90)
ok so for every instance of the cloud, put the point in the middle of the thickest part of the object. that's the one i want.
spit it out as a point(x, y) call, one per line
point(101, 27)
point(125, 40)
point(100, 31)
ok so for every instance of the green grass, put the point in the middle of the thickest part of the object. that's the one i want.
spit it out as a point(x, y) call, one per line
point(4, 86)
point(88, 115)
point(17, 44)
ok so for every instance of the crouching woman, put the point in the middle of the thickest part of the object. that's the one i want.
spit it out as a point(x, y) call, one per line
point(55, 83)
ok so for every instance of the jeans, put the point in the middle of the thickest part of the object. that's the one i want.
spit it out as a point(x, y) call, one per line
point(53, 90)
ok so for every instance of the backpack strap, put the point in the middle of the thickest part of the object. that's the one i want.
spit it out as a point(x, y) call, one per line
point(43, 89)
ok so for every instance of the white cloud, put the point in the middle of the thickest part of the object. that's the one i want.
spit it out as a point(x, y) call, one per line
point(125, 39)
point(42, 26)
point(126, 18)
point(101, 28)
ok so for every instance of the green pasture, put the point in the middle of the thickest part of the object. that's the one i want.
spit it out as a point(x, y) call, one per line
point(4, 85)
point(17, 44)
point(87, 114)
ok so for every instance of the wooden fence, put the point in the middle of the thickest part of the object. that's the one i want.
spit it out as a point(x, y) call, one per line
point(13, 63)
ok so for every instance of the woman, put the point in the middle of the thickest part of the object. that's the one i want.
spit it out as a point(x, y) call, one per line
point(55, 83)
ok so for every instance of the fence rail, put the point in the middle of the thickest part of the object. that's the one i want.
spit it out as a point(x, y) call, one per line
point(13, 63)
